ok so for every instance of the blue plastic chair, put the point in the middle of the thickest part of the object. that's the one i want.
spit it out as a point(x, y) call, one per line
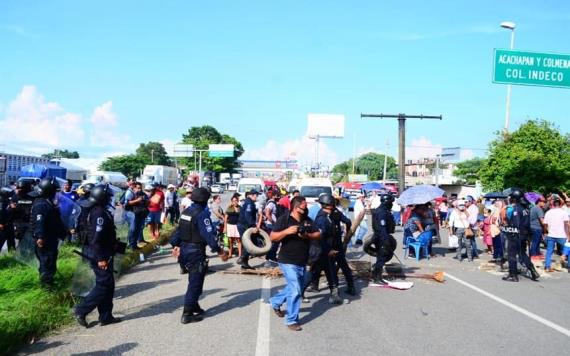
point(421, 243)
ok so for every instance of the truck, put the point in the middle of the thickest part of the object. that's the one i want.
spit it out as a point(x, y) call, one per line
point(225, 179)
point(164, 175)
point(117, 179)
point(33, 173)
point(236, 177)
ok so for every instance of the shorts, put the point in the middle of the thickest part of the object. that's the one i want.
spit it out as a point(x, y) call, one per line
point(153, 217)
point(232, 231)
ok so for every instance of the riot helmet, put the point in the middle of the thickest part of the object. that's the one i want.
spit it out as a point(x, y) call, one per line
point(516, 195)
point(327, 199)
point(387, 200)
point(24, 185)
point(200, 195)
point(101, 194)
point(48, 187)
point(87, 188)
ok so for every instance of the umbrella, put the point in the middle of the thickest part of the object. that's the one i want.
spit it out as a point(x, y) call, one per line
point(419, 194)
point(495, 195)
point(349, 185)
point(532, 197)
point(372, 186)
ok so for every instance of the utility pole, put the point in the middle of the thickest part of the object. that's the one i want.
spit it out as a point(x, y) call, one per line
point(152, 156)
point(385, 162)
point(401, 140)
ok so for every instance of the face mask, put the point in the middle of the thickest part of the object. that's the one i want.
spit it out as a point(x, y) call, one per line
point(462, 208)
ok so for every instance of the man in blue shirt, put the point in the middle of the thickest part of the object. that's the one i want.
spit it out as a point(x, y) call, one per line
point(248, 219)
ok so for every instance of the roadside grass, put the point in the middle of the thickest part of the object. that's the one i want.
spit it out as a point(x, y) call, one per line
point(28, 312)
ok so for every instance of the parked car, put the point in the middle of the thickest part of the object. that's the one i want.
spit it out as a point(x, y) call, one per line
point(217, 188)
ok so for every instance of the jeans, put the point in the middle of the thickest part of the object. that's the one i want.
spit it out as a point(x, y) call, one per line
point(397, 216)
point(361, 231)
point(550, 242)
point(132, 236)
point(498, 243)
point(464, 242)
point(535, 243)
point(291, 294)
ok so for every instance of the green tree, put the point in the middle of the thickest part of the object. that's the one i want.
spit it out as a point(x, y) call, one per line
point(371, 164)
point(153, 153)
point(468, 171)
point(203, 136)
point(130, 165)
point(59, 153)
point(536, 157)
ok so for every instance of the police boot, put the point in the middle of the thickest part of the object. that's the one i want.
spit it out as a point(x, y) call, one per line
point(245, 263)
point(312, 288)
point(351, 290)
point(189, 316)
point(534, 274)
point(334, 298)
point(511, 278)
point(377, 278)
point(198, 310)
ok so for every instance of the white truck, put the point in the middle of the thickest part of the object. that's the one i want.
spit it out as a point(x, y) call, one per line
point(225, 179)
point(311, 188)
point(117, 179)
point(164, 175)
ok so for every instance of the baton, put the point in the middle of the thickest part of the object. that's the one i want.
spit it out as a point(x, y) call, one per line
point(90, 259)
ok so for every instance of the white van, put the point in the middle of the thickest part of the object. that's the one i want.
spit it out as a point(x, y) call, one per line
point(247, 184)
point(311, 188)
point(117, 179)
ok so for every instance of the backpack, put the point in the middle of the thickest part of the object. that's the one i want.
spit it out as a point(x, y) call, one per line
point(280, 211)
point(122, 200)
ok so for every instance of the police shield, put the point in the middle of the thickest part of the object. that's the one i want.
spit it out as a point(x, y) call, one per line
point(83, 279)
point(26, 250)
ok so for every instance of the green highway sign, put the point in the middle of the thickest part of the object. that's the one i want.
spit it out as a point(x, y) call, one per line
point(221, 150)
point(531, 68)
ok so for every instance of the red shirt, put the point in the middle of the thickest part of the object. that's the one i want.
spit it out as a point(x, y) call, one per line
point(285, 201)
point(156, 202)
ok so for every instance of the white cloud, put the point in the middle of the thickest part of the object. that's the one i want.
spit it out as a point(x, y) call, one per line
point(422, 148)
point(302, 149)
point(30, 124)
point(105, 123)
point(31, 120)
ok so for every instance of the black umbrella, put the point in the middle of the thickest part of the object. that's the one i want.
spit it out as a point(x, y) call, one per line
point(495, 195)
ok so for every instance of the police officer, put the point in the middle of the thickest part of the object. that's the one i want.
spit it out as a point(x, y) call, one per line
point(383, 226)
point(47, 228)
point(81, 212)
point(100, 246)
point(328, 221)
point(21, 207)
point(248, 219)
point(194, 232)
point(517, 229)
point(6, 226)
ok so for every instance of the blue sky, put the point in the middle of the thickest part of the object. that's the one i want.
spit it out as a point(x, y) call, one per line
point(116, 73)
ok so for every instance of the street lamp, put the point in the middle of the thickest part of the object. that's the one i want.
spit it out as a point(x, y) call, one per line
point(509, 26)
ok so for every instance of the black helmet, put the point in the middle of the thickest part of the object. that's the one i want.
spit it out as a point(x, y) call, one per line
point(24, 185)
point(48, 187)
point(387, 200)
point(200, 195)
point(5, 193)
point(517, 195)
point(101, 194)
point(87, 188)
point(327, 199)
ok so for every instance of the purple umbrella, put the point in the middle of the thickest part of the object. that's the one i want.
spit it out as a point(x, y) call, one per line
point(532, 197)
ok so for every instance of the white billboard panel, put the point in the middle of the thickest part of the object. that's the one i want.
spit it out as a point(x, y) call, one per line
point(181, 150)
point(450, 154)
point(325, 125)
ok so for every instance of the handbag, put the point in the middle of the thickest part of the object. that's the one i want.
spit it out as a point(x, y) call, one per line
point(453, 241)
point(469, 232)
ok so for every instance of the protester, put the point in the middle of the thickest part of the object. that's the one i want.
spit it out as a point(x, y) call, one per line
point(155, 207)
point(362, 229)
point(442, 209)
point(186, 202)
point(216, 212)
point(131, 199)
point(486, 227)
point(397, 212)
point(293, 257)
point(171, 205)
point(270, 217)
point(231, 218)
point(458, 224)
point(558, 231)
point(537, 228)
point(473, 217)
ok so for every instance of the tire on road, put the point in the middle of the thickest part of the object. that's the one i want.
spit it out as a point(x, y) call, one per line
point(370, 247)
point(261, 247)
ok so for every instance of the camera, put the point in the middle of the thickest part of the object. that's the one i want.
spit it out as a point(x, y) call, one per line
point(303, 228)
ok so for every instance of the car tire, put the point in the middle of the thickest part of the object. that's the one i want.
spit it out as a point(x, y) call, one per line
point(253, 248)
point(370, 247)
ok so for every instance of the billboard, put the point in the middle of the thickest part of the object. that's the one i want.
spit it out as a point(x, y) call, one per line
point(325, 125)
point(181, 150)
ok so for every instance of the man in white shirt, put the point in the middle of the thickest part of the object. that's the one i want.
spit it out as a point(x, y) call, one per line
point(374, 200)
point(186, 201)
point(363, 227)
point(556, 223)
point(472, 216)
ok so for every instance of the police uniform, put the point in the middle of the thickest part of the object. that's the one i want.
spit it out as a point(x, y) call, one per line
point(517, 230)
point(383, 226)
point(47, 226)
point(20, 212)
point(7, 229)
point(247, 219)
point(194, 232)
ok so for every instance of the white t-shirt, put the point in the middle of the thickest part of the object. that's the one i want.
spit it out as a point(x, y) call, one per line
point(358, 208)
point(555, 219)
point(185, 203)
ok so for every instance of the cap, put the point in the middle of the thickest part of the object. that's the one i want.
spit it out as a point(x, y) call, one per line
point(171, 186)
point(253, 191)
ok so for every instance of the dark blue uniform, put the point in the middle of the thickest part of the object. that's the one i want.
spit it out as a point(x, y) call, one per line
point(46, 225)
point(194, 232)
point(518, 230)
point(247, 219)
point(100, 246)
point(7, 228)
point(20, 212)
point(383, 225)
point(331, 239)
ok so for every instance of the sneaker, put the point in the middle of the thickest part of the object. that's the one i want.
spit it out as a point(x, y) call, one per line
point(279, 312)
point(306, 300)
point(295, 327)
point(312, 288)
point(267, 264)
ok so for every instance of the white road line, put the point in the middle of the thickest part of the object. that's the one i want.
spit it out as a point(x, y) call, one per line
point(512, 306)
point(262, 345)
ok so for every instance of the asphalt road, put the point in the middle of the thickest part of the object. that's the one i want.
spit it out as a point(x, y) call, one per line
point(473, 313)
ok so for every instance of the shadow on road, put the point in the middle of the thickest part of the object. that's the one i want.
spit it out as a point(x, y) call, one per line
point(42, 346)
point(115, 350)
point(132, 289)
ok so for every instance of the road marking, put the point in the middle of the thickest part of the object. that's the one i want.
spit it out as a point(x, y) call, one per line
point(262, 345)
point(512, 306)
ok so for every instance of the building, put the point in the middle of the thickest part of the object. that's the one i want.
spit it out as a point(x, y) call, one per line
point(14, 162)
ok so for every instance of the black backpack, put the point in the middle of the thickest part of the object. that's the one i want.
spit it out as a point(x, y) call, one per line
point(280, 211)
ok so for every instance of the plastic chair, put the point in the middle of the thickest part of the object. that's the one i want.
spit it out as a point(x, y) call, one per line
point(420, 243)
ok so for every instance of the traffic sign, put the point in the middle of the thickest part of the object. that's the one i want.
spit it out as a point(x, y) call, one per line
point(221, 150)
point(531, 68)
point(182, 150)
